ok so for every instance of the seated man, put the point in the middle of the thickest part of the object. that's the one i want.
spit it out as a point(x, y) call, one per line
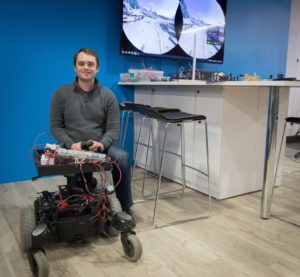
point(85, 110)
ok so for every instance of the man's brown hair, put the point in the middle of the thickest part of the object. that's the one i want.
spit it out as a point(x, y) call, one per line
point(87, 51)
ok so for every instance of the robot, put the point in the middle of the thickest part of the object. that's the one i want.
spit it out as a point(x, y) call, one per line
point(72, 213)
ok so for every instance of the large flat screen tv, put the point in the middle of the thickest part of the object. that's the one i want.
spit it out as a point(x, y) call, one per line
point(165, 28)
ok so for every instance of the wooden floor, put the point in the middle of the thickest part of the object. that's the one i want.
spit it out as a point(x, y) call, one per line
point(235, 241)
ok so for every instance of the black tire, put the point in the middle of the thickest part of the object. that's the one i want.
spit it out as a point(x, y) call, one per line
point(133, 248)
point(41, 266)
point(114, 206)
point(27, 224)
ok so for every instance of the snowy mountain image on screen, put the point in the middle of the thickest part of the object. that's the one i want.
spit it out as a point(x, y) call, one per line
point(207, 19)
point(149, 25)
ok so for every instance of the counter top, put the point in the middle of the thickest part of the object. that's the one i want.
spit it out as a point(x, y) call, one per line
point(261, 83)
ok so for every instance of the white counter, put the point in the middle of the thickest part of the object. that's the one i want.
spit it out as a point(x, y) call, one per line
point(261, 83)
point(237, 116)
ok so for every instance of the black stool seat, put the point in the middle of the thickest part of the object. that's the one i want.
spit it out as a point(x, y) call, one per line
point(122, 106)
point(175, 117)
point(163, 109)
point(134, 107)
point(129, 108)
point(295, 120)
point(169, 115)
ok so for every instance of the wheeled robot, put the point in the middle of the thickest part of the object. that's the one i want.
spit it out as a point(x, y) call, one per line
point(73, 214)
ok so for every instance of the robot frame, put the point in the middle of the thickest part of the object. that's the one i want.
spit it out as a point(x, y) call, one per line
point(71, 213)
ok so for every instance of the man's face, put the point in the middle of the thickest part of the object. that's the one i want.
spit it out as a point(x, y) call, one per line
point(86, 67)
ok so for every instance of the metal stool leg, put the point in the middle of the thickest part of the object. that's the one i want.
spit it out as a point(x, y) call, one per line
point(182, 134)
point(160, 172)
point(125, 130)
point(184, 165)
point(207, 167)
point(277, 163)
point(137, 144)
point(121, 128)
point(147, 152)
point(173, 116)
point(152, 195)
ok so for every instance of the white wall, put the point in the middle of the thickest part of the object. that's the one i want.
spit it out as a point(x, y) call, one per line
point(293, 62)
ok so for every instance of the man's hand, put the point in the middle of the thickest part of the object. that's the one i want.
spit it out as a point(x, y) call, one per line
point(76, 146)
point(97, 146)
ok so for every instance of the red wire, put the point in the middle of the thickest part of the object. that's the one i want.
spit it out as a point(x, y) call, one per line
point(101, 211)
point(120, 172)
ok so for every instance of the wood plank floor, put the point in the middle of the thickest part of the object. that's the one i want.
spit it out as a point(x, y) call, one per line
point(233, 242)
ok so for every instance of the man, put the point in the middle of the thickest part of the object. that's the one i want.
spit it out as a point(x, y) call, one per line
point(84, 111)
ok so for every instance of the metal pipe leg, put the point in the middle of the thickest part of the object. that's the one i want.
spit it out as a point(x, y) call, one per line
point(270, 153)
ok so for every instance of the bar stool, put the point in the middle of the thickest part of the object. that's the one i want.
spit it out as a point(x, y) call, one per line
point(291, 120)
point(169, 117)
point(130, 108)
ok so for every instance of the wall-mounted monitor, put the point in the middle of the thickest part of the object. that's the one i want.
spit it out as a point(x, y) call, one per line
point(165, 28)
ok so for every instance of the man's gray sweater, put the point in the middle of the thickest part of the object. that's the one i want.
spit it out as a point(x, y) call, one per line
point(76, 115)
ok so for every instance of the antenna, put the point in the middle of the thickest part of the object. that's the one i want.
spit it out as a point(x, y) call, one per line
point(194, 57)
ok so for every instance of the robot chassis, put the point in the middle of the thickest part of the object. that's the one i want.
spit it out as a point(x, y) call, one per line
point(71, 214)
